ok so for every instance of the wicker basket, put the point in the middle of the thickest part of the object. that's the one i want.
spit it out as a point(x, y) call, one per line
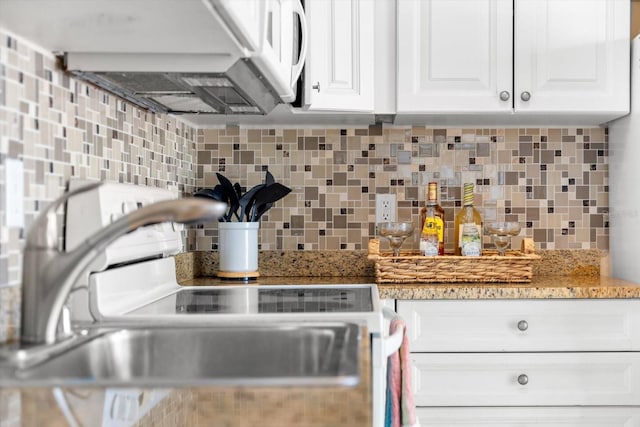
point(411, 267)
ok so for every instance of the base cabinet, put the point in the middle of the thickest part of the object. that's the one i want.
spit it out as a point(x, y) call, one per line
point(525, 362)
point(519, 379)
point(530, 417)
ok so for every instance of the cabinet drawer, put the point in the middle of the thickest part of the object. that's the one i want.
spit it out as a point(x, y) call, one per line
point(526, 379)
point(522, 325)
point(530, 417)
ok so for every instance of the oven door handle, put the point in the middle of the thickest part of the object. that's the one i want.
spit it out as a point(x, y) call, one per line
point(391, 343)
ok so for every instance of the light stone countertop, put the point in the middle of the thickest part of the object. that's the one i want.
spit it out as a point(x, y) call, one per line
point(558, 274)
point(541, 287)
point(560, 262)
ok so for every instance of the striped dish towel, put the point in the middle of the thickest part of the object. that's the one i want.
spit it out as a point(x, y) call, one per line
point(400, 410)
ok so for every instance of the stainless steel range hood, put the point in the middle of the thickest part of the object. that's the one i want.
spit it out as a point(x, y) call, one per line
point(239, 90)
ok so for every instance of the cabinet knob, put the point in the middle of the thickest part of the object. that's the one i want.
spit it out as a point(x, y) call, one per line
point(505, 95)
point(525, 96)
point(316, 86)
point(523, 379)
point(523, 325)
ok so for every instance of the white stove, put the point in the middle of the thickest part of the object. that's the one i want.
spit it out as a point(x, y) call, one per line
point(135, 283)
point(148, 291)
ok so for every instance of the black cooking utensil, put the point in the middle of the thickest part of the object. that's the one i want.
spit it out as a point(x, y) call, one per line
point(261, 211)
point(232, 196)
point(270, 194)
point(215, 193)
point(246, 202)
point(269, 179)
point(205, 192)
point(238, 189)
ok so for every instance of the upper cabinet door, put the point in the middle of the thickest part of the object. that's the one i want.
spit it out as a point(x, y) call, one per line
point(339, 66)
point(455, 56)
point(572, 56)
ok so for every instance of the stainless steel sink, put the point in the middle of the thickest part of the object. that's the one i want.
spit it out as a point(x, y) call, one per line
point(257, 355)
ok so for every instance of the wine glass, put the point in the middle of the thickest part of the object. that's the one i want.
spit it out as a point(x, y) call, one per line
point(396, 232)
point(501, 233)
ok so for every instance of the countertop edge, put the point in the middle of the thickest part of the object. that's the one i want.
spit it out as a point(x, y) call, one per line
point(541, 287)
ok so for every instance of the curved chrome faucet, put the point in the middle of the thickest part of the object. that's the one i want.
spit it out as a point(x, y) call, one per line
point(48, 274)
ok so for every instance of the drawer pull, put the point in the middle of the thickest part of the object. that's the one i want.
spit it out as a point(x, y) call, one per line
point(523, 379)
point(523, 325)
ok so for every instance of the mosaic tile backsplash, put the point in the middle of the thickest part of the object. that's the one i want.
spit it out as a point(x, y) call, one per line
point(59, 128)
point(554, 181)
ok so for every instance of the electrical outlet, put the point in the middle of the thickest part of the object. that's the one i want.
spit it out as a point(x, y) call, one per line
point(385, 208)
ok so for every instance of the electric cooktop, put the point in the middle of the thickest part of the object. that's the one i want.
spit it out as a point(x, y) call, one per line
point(262, 300)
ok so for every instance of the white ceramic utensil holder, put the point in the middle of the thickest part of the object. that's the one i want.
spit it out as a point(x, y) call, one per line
point(238, 249)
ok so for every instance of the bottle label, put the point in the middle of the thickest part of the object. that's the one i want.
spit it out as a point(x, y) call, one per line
point(429, 245)
point(434, 225)
point(429, 237)
point(439, 224)
point(470, 240)
point(471, 248)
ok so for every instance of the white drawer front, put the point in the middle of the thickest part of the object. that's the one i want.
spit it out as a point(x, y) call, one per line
point(530, 417)
point(522, 325)
point(555, 379)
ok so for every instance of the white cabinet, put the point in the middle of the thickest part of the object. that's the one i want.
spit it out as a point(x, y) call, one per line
point(526, 379)
point(571, 55)
point(339, 67)
point(502, 361)
point(530, 417)
point(522, 325)
point(454, 55)
point(484, 56)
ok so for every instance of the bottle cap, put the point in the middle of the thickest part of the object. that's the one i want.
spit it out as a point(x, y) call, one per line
point(468, 194)
point(433, 192)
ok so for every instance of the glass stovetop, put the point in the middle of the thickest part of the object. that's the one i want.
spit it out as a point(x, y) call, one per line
point(262, 300)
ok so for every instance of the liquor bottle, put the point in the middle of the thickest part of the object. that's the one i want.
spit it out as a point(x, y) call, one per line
point(468, 226)
point(432, 224)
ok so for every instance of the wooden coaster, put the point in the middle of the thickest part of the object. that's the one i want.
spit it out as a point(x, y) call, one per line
point(238, 274)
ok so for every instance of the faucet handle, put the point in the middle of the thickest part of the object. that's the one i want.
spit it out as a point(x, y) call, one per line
point(43, 233)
